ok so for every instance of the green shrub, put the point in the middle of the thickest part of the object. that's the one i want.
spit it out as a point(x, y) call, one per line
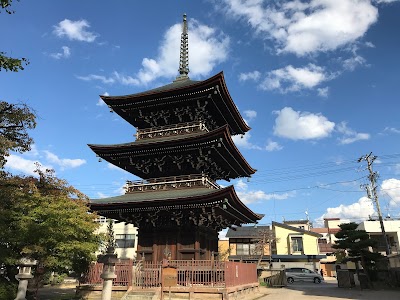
point(8, 290)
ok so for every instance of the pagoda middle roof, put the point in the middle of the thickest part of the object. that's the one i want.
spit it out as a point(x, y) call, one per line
point(142, 201)
point(133, 107)
point(218, 143)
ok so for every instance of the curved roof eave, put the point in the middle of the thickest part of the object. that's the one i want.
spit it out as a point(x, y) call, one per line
point(120, 202)
point(176, 88)
point(217, 133)
point(172, 87)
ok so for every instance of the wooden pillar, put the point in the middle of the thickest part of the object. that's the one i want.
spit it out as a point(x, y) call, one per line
point(179, 244)
point(197, 245)
point(155, 247)
point(172, 245)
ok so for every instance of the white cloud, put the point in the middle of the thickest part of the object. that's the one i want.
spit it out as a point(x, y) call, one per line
point(391, 187)
point(354, 212)
point(392, 129)
point(249, 196)
point(297, 125)
point(243, 141)
point(241, 185)
point(306, 27)
point(207, 47)
point(66, 52)
point(250, 114)
point(369, 45)
point(125, 79)
point(273, 146)
point(291, 79)
point(349, 135)
point(63, 163)
point(100, 102)
point(323, 92)
point(101, 78)
point(75, 30)
point(352, 63)
point(20, 164)
point(255, 75)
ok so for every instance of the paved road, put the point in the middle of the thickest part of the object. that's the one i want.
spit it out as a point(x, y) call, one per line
point(327, 290)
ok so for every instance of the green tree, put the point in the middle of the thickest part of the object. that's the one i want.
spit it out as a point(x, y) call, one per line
point(356, 243)
point(109, 239)
point(46, 219)
point(15, 121)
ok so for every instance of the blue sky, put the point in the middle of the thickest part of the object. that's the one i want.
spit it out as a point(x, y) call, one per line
point(317, 81)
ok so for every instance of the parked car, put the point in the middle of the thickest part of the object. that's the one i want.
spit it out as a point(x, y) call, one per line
point(302, 274)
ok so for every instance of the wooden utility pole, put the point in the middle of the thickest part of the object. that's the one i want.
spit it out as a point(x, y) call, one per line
point(372, 193)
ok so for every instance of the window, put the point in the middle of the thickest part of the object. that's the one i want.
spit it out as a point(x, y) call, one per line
point(246, 247)
point(125, 240)
point(297, 244)
point(101, 220)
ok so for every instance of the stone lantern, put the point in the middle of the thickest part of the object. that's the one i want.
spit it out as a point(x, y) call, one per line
point(109, 260)
point(24, 274)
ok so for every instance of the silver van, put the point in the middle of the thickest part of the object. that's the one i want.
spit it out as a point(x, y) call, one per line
point(302, 274)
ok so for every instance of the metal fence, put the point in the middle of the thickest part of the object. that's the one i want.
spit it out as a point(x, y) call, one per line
point(205, 273)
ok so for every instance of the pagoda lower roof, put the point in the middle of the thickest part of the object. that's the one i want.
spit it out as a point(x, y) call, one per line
point(186, 100)
point(213, 153)
point(180, 199)
point(154, 196)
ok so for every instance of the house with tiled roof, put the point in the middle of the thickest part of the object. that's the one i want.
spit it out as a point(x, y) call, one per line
point(274, 246)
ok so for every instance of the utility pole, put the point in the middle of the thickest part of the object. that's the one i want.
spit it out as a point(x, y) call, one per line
point(372, 193)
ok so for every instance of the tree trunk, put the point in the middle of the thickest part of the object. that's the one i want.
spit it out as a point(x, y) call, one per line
point(366, 271)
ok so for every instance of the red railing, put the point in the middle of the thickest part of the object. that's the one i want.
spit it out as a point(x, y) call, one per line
point(237, 273)
point(123, 270)
point(208, 273)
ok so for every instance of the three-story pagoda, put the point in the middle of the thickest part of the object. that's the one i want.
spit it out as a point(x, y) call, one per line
point(183, 146)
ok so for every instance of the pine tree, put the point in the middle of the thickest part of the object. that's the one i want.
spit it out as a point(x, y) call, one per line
point(356, 243)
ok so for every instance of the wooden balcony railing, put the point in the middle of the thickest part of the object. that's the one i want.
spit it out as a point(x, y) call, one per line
point(176, 129)
point(168, 183)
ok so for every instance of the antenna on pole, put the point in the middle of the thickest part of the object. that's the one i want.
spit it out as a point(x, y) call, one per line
point(184, 53)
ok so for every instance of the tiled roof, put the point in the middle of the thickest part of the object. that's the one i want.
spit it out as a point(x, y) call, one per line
point(246, 231)
point(320, 230)
point(296, 222)
point(154, 196)
point(295, 229)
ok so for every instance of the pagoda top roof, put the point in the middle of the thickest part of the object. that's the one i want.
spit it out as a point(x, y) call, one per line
point(179, 198)
point(132, 107)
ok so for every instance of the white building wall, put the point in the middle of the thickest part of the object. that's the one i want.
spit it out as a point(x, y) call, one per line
point(119, 230)
point(392, 228)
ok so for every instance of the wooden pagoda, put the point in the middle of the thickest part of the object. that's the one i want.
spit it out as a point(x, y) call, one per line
point(183, 146)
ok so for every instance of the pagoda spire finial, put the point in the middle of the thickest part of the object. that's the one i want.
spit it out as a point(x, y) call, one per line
point(184, 52)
